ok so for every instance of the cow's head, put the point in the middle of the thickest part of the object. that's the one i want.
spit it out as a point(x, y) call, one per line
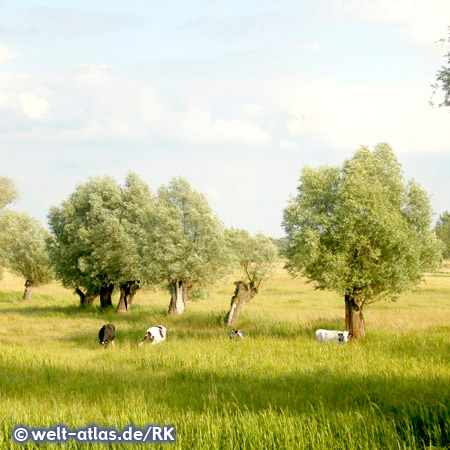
point(148, 337)
point(343, 337)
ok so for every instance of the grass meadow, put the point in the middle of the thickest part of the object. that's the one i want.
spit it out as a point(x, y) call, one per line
point(277, 389)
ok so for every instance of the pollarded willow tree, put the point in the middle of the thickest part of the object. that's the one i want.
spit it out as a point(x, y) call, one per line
point(24, 248)
point(185, 243)
point(254, 258)
point(95, 244)
point(361, 231)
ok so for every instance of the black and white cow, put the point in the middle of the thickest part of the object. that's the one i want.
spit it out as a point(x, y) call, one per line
point(155, 335)
point(236, 334)
point(326, 336)
point(107, 334)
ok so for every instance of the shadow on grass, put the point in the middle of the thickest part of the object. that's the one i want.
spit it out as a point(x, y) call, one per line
point(265, 327)
point(422, 405)
point(76, 311)
point(202, 325)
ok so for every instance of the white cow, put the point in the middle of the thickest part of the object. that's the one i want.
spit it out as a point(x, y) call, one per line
point(332, 336)
point(155, 335)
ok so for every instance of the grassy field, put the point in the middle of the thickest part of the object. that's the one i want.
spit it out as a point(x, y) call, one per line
point(277, 389)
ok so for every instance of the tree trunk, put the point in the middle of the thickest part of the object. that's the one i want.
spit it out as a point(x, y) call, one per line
point(244, 293)
point(354, 318)
point(179, 293)
point(85, 299)
point(29, 287)
point(105, 296)
point(127, 292)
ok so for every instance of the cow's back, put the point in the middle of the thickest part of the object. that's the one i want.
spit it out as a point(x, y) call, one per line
point(321, 335)
point(326, 335)
point(158, 333)
point(107, 333)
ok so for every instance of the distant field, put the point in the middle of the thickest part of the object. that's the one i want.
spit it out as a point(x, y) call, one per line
point(277, 389)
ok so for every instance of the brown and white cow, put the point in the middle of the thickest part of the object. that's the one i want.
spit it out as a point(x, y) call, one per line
point(155, 335)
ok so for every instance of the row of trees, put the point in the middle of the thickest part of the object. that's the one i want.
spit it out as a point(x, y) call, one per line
point(106, 236)
point(358, 229)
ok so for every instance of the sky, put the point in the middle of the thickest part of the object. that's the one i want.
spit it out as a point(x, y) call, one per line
point(235, 96)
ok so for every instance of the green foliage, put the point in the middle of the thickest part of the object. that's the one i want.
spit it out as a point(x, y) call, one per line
point(23, 247)
point(96, 233)
point(359, 229)
point(199, 293)
point(184, 240)
point(443, 80)
point(8, 191)
point(442, 230)
point(8, 194)
point(254, 257)
point(282, 244)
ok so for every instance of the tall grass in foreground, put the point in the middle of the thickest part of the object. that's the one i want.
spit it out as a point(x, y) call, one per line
point(277, 389)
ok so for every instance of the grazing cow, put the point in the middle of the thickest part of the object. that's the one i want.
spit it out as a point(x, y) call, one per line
point(155, 335)
point(107, 334)
point(332, 336)
point(236, 334)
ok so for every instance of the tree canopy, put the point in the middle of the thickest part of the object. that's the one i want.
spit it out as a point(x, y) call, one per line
point(360, 230)
point(95, 244)
point(442, 230)
point(254, 260)
point(24, 246)
point(185, 243)
point(8, 191)
point(8, 194)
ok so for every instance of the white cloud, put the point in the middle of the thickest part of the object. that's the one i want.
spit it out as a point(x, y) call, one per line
point(346, 116)
point(425, 21)
point(5, 100)
point(192, 125)
point(255, 110)
point(241, 131)
point(288, 145)
point(6, 54)
point(34, 107)
point(213, 194)
point(95, 66)
point(94, 104)
point(309, 46)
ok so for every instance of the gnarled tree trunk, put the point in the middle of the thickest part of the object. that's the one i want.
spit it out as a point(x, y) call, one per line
point(86, 299)
point(244, 293)
point(29, 287)
point(105, 296)
point(179, 292)
point(127, 292)
point(354, 318)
